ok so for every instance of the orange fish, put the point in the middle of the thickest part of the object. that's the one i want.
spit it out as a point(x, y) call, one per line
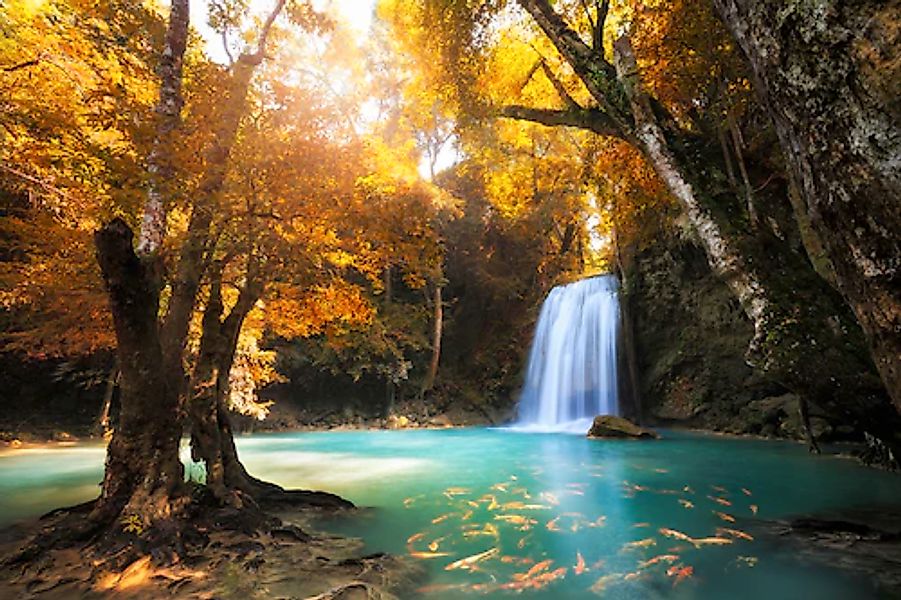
point(753, 509)
point(686, 503)
point(517, 560)
point(580, 564)
point(523, 522)
point(489, 529)
point(501, 487)
point(437, 520)
point(415, 536)
point(735, 533)
point(644, 524)
point(544, 579)
point(536, 568)
point(552, 524)
point(711, 541)
point(746, 491)
point(670, 558)
point(645, 543)
point(680, 573)
point(675, 534)
point(433, 545)
point(724, 516)
point(719, 489)
point(722, 501)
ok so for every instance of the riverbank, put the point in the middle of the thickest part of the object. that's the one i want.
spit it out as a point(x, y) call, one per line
point(278, 553)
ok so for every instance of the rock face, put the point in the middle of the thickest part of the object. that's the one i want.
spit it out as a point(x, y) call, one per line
point(608, 426)
point(691, 338)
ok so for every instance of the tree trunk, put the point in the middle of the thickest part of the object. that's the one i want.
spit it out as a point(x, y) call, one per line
point(168, 114)
point(438, 324)
point(212, 441)
point(627, 367)
point(192, 263)
point(788, 305)
point(144, 475)
point(101, 425)
point(827, 72)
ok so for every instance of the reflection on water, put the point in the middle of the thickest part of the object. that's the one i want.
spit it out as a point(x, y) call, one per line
point(548, 516)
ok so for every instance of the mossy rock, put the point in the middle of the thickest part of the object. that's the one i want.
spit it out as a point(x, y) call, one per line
point(609, 426)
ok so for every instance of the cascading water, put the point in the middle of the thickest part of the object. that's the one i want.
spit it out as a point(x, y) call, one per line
point(571, 376)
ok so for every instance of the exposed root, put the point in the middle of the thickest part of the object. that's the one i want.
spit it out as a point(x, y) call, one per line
point(208, 551)
point(343, 591)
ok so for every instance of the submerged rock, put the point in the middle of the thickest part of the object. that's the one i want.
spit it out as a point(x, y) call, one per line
point(609, 426)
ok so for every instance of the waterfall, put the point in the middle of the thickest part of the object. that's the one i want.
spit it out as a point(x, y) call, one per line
point(571, 375)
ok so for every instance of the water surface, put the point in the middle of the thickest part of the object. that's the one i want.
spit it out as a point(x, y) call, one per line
point(608, 515)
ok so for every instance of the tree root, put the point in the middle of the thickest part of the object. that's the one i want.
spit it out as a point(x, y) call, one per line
point(337, 593)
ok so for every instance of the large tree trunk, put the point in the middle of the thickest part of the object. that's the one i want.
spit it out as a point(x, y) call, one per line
point(802, 339)
point(144, 475)
point(828, 72)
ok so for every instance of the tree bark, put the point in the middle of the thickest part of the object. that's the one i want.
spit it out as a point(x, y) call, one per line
point(192, 264)
point(437, 326)
point(101, 425)
point(212, 441)
point(143, 475)
point(168, 113)
point(827, 72)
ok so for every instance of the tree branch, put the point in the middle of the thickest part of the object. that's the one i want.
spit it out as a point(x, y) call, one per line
point(603, 7)
point(257, 57)
point(581, 118)
point(22, 65)
point(558, 87)
point(598, 75)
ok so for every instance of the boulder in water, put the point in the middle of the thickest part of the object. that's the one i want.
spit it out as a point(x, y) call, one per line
point(610, 426)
